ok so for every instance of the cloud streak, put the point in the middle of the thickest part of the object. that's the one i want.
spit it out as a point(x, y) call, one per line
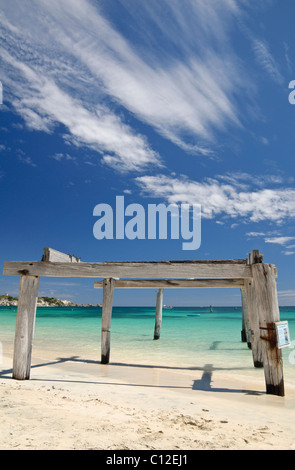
point(267, 61)
point(77, 69)
point(44, 101)
point(220, 199)
point(279, 240)
point(287, 293)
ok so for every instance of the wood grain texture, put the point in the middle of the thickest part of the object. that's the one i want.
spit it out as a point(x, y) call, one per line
point(158, 317)
point(246, 332)
point(139, 270)
point(24, 330)
point(173, 283)
point(57, 256)
point(107, 307)
point(268, 313)
point(253, 318)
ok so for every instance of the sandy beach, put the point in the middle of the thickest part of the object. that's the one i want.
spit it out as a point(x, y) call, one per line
point(81, 404)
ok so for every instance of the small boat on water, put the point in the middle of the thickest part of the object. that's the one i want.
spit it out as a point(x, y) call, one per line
point(193, 314)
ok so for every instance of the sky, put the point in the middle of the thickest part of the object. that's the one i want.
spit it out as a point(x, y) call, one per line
point(162, 102)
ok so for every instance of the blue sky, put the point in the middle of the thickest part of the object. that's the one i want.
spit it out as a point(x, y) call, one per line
point(163, 102)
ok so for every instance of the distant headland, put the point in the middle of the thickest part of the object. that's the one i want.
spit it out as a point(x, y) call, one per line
point(10, 301)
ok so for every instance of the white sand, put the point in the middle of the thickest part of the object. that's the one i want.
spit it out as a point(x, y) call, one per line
point(76, 405)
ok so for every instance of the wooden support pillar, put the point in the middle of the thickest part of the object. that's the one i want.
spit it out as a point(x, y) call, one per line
point(268, 313)
point(25, 323)
point(245, 333)
point(107, 306)
point(253, 323)
point(159, 308)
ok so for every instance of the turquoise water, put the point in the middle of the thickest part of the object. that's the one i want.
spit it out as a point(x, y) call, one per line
point(186, 340)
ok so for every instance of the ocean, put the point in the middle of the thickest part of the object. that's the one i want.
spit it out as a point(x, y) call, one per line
point(190, 337)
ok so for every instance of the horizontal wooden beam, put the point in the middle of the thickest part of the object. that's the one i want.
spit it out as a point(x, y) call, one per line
point(57, 256)
point(138, 270)
point(173, 283)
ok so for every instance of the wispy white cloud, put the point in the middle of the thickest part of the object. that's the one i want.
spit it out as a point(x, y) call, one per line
point(244, 180)
point(286, 293)
point(174, 95)
point(265, 59)
point(288, 60)
point(255, 234)
point(279, 240)
point(43, 99)
point(61, 156)
point(73, 61)
point(218, 198)
point(25, 159)
point(42, 104)
point(264, 140)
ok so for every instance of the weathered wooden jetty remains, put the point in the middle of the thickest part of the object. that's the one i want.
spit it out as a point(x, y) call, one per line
point(256, 280)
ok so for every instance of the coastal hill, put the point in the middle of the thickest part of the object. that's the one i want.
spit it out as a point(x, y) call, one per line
point(9, 301)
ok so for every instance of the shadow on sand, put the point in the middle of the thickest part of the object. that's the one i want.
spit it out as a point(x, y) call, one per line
point(203, 384)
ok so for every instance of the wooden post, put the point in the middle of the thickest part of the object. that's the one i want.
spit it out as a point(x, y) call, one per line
point(268, 312)
point(253, 323)
point(255, 257)
point(245, 333)
point(159, 308)
point(24, 330)
point(107, 305)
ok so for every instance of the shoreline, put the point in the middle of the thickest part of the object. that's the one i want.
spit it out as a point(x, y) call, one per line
point(81, 404)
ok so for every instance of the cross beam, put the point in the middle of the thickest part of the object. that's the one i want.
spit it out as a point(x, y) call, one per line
point(172, 283)
point(126, 269)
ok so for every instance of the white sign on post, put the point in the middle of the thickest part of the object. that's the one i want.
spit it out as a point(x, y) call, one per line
point(283, 334)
